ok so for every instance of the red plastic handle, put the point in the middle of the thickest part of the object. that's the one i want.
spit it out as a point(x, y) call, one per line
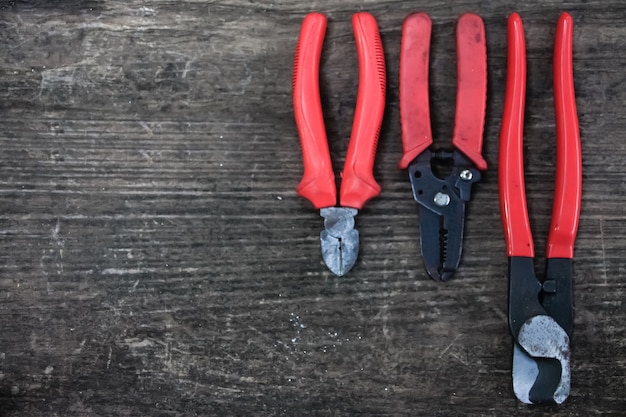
point(318, 181)
point(519, 240)
point(471, 94)
point(358, 184)
point(568, 186)
point(414, 105)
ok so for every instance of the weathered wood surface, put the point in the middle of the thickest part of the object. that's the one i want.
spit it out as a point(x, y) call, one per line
point(156, 260)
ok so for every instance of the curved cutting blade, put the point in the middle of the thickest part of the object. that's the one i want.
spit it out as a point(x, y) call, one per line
point(541, 362)
point(339, 240)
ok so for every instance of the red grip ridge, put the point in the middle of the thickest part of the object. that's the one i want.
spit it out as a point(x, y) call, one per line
point(471, 94)
point(568, 185)
point(318, 180)
point(358, 184)
point(414, 102)
point(519, 240)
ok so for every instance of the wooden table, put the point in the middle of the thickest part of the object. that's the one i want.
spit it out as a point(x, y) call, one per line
point(157, 261)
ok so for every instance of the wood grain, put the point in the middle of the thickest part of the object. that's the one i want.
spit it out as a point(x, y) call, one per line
point(156, 260)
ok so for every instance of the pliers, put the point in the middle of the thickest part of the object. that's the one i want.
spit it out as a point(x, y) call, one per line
point(442, 198)
point(339, 240)
point(540, 311)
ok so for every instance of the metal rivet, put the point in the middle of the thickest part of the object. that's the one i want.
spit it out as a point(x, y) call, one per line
point(442, 199)
point(466, 175)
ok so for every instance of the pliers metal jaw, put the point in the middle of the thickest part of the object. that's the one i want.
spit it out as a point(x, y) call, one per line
point(339, 240)
point(541, 329)
point(540, 311)
point(442, 199)
point(442, 209)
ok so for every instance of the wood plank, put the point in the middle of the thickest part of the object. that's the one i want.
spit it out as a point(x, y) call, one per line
point(156, 260)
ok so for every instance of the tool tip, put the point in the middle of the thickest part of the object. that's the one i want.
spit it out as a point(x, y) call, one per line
point(541, 362)
point(339, 239)
point(439, 274)
point(340, 254)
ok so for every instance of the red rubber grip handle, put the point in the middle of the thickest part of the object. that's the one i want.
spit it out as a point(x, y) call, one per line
point(358, 184)
point(568, 186)
point(414, 103)
point(471, 93)
point(519, 240)
point(318, 180)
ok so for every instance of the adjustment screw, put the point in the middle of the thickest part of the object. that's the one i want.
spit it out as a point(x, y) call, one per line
point(442, 199)
point(549, 286)
point(466, 175)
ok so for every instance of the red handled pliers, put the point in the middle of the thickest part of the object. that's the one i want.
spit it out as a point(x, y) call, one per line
point(442, 200)
point(339, 240)
point(540, 311)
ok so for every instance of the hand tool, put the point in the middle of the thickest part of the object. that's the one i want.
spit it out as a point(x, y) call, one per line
point(540, 311)
point(442, 198)
point(339, 240)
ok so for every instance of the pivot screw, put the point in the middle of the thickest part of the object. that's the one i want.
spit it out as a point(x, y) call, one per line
point(442, 199)
point(466, 175)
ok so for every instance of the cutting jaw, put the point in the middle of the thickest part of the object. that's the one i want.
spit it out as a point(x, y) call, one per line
point(339, 239)
point(442, 208)
point(541, 362)
point(540, 319)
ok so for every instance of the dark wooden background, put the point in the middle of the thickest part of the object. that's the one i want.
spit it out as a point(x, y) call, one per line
point(156, 260)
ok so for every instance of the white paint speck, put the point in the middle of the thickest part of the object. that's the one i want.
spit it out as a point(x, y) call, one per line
point(109, 358)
